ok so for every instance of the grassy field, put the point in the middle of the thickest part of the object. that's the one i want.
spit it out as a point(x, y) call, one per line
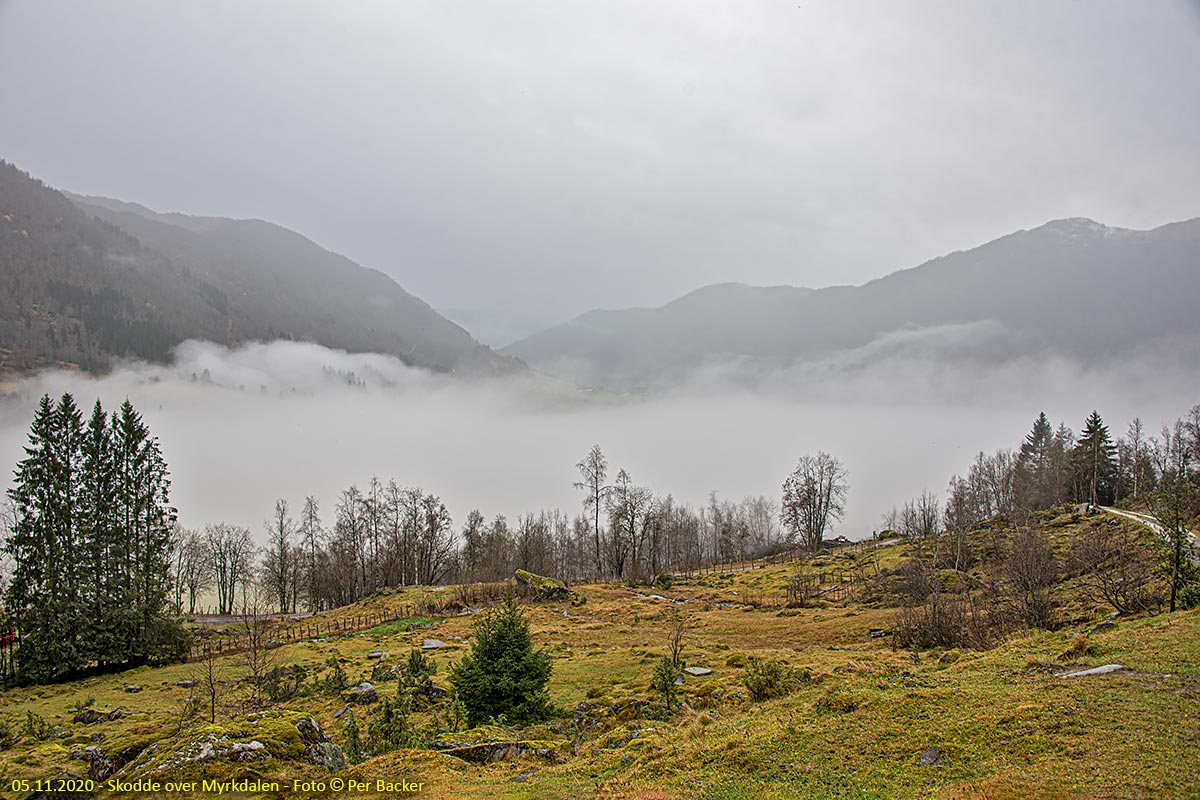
point(871, 722)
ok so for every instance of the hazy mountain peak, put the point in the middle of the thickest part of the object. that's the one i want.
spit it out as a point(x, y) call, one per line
point(117, 279)
point(1082, 226)
point(1063, 288)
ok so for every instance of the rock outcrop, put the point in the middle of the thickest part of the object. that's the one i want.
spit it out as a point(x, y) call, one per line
point(542, 588)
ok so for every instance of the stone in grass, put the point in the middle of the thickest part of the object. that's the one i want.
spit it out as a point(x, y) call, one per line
point(133, 688)
point(931, 757)
point(90, 716)
point(696, 672)
point(248, 751)
point(1104, 670)
point(363, 693)
point(326, 754)
point(432, 644)
point(338, 714)
point(1100, 627)
point(380, 654)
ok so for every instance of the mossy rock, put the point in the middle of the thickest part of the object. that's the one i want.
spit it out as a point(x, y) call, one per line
point(288, 736)
point(541, 587)
point(489, 743)
point(623, 736)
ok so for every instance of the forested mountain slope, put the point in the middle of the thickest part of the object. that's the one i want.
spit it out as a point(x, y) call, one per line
point(92, 280)
point(1072, 287)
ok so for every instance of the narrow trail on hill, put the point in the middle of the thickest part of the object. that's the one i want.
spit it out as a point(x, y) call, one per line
point(1154, 525)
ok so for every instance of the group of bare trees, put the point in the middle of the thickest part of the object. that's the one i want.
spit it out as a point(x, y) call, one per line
point(381, 537)
point(221, 559)
point(387, 535)
point(627, 530)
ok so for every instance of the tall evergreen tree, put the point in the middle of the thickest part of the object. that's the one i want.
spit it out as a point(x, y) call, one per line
point(146, 520)
point(1094, 460)
point(1038, 479)
point(35, 594)
point(99, 584)
point(90, 542)
point(1035, 450)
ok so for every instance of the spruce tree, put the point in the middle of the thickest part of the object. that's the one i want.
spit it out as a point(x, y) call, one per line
point(1035, 450)
point(31, 543)
point(1038, 479)
point(1094, 459)
point(98, 581)
point(70, 530)
point(502, 675)
point(90, 544)
point(146, 521)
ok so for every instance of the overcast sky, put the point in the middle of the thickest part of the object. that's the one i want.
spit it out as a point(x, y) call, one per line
point(538, 159)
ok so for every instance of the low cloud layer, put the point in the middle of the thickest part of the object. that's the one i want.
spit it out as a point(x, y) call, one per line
point(243, 427)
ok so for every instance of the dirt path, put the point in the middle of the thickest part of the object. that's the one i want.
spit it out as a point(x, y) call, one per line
point(1153, 524)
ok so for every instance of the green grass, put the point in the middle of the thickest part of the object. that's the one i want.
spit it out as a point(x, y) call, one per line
point(1006, 724)
point(397, 626)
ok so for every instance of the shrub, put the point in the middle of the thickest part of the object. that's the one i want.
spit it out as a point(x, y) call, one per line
point(389, 728)
point(169, 641)
point(335, 682)
point(769, 678)
point(418, 673)
point(284, 683)
point(353, 747)
point(663, 682)
point(503, 675)
point(1189, 596)
point(38, 728)
point(7, 736)
point(736, 660)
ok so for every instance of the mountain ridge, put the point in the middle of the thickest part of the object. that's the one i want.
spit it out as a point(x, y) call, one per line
point(93, 279)
point(1048, 287)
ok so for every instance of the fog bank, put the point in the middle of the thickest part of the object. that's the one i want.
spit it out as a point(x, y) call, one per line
point(240, 428)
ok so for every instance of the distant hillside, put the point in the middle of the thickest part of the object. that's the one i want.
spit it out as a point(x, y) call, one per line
point(96, 279)
point(1072, 287)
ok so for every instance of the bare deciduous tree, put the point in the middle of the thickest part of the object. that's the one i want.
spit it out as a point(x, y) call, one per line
point(231, 554)
point(1116, 566)
point(814, 496)
point(193, 569)
point(593, 470)
point(278, 568)
point(1032, 571)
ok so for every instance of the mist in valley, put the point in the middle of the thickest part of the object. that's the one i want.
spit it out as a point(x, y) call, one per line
point(243, 427)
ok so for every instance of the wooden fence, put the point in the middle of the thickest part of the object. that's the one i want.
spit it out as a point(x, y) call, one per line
point(786, 557)
point(280, 632)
